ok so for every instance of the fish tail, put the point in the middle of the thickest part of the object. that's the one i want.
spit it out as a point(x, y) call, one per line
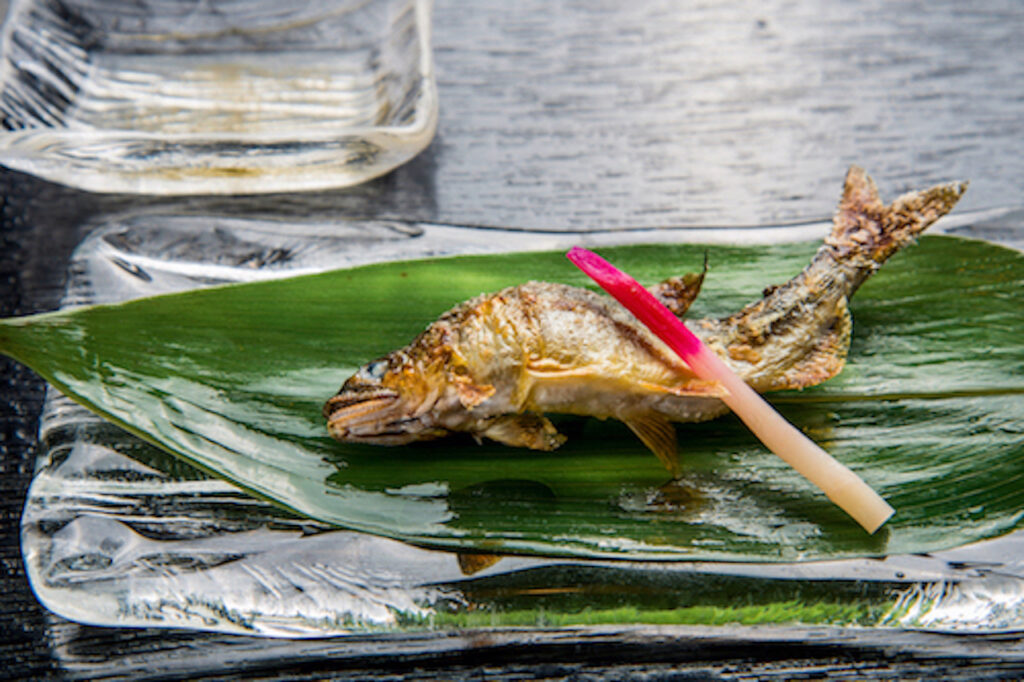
point(866, 232)
point(763, 341)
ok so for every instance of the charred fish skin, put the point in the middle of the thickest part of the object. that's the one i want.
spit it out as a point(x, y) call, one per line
point(798, 334)
point(493, 366)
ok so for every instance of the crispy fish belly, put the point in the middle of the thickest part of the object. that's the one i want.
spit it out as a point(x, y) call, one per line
point(494, 365)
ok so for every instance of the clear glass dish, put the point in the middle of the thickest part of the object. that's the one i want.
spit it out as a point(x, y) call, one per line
point(222, 97)
point(118, 533)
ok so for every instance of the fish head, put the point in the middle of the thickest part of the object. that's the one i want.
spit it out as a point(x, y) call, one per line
point(386, 402)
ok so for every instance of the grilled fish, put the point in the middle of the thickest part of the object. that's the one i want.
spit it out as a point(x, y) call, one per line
point(493, 366)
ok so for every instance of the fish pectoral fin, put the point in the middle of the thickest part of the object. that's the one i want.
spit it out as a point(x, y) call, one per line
point(678, 293)
point(550, 368)
point(684, 384)
point(526, 430)
point(658, 434)
point(691, 388)
point(471, 393)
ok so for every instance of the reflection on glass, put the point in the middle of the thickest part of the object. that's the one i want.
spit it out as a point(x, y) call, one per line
point(214, 98)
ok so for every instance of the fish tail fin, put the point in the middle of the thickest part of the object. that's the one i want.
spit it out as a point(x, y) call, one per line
point(866, 232)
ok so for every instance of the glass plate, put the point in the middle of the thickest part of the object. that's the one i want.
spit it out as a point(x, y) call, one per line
point(116, 532)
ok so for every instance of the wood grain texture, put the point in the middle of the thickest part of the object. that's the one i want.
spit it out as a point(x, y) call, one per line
point(662, 113)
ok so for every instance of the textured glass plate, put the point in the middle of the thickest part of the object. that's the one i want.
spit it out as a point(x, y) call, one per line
point(228, 96)
point(117, 533)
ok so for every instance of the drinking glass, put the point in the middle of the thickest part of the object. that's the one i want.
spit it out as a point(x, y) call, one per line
point(215, 96)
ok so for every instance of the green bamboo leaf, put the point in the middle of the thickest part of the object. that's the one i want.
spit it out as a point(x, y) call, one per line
point(232, 379)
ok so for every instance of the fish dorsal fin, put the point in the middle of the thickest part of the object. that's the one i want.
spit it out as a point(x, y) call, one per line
point(678, 293)
point(659, 435)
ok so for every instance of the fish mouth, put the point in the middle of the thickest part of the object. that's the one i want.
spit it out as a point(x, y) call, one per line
point(377, 416)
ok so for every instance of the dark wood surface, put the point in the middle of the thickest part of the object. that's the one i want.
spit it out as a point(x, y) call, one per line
point(591, 116)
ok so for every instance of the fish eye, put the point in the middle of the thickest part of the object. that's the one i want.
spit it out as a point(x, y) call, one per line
point(376, 369)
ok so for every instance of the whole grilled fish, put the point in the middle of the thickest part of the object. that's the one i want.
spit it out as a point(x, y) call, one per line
point(494, 365)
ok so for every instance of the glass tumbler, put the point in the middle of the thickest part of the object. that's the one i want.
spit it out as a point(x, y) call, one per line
point(215, 96)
